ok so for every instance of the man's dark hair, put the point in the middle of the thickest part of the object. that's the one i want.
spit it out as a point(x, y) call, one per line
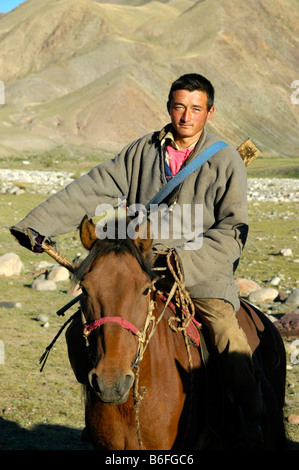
point(192, 82)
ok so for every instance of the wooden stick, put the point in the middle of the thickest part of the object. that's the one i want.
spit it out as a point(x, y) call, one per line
point(59, 257)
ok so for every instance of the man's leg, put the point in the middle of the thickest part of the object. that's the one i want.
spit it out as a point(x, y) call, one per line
point(235, 357)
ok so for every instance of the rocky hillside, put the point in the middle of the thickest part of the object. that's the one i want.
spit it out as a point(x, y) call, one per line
point(95, 74)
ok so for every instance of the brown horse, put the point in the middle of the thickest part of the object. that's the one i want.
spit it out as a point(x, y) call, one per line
point(146, 384)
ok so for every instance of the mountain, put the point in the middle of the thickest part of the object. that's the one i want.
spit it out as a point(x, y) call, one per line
point(94, 75)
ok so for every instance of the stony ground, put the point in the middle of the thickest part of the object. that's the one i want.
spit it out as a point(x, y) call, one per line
point(259, 189)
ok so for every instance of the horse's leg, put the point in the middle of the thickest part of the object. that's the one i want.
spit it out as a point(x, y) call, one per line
point(273, 379)
point(270, 368)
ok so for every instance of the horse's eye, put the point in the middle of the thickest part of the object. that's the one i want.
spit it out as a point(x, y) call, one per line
point(146, 291)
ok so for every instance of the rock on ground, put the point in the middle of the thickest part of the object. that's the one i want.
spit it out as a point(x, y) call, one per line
point(58, 273)
point(43, 284)
point(293, 419)
point(286, 252)
point(288, 325)
point(10, 265)
point(293, 298)
point(42, 318)
point(264, 295)
point(246, 286)
point(8, 304)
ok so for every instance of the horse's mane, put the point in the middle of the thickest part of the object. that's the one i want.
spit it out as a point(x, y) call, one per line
point(119, 247)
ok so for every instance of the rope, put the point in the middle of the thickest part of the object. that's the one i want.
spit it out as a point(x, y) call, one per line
point(151, 319)
point(185, 303)
point(45, 355)
point(138, 397)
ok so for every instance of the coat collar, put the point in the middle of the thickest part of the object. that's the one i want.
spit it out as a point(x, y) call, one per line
point(167, 133)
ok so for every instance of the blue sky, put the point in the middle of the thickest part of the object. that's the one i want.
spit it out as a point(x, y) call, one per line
point(7, 5)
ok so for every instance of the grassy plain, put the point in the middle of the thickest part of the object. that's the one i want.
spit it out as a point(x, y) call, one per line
point(45, 410)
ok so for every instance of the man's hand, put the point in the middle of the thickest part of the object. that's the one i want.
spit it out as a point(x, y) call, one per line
point(29, 239)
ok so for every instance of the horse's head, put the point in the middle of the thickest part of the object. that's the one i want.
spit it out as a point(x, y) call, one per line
point(116, 279)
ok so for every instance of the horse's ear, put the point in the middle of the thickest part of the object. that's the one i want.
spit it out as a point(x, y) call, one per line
point(87, 232)
point(143, 239)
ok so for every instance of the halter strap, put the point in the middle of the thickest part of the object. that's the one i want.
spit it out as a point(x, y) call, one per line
point(101, 321)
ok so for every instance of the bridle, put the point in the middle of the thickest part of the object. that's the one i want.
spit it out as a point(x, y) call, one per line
point(143, 336)
point(127, 325)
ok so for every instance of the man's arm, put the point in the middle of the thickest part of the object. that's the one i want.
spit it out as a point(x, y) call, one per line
point(64, 211)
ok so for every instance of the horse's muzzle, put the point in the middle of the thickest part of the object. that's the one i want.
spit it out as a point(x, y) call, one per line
point(114, 393)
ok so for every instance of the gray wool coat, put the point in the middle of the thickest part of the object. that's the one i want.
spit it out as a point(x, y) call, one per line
point(218, 188)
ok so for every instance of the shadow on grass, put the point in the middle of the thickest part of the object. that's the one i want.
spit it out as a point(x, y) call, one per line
point(40, 437)
point(50, 437)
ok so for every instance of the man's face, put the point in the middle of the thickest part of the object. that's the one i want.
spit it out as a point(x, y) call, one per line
point(189, 113)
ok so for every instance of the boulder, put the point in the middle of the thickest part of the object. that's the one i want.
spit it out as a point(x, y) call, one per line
point(58, 273)
point(44, 264)
point(275, 281)
point(293, 419)
point(42, 318)
point(263, 296)
point(9, 304)
point(43, 284)
point(293, 298)
point(286, 252)
point(246, 286)
point(288, 325)
point(10, 265)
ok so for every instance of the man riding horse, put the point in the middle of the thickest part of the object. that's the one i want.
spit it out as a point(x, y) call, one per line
point(137, 173)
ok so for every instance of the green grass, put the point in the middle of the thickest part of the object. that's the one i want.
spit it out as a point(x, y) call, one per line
point(39, 410)
point(62, 158)
point(274, 167)
point(272, 227)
